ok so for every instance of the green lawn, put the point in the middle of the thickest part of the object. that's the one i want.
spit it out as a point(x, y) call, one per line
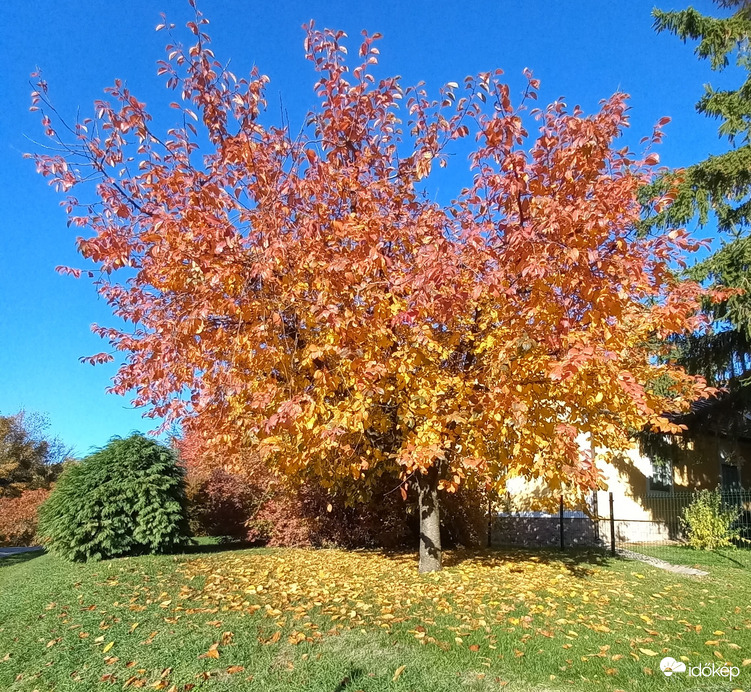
point(703, 559)
point(339, 621)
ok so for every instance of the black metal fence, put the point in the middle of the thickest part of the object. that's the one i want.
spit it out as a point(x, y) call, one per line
point(654, 522)
point(662, 524)
point(545, 523)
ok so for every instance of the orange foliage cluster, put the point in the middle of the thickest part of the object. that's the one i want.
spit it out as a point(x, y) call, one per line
point(244, 500)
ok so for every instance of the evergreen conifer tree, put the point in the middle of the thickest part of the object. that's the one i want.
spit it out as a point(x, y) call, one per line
point(720, 185)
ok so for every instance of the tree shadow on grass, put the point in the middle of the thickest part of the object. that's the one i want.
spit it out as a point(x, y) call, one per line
point(349, 680)
point(580, 562)
point(18, 558)
point(725, 556)
point(217, 545)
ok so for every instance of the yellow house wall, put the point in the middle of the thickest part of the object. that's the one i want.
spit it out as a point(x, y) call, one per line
point(642, 514)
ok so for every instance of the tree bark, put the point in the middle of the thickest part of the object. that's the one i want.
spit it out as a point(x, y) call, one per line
point(431, 557)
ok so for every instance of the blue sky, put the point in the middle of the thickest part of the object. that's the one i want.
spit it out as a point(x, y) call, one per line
point(583, 50)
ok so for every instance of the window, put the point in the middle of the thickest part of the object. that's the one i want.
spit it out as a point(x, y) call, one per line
point(661, 480)
point(730, 476)
point(730, 462)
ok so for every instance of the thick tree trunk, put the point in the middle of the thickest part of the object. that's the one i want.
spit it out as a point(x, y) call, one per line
point(431, 557)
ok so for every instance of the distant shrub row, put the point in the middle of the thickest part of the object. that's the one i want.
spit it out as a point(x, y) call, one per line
point(137, 496)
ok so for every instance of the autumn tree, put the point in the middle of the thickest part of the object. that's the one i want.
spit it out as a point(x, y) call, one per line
point(30, 459)
point(302, 292)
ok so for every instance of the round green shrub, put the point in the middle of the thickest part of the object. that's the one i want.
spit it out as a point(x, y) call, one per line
point(128, 498)
point(709, 522)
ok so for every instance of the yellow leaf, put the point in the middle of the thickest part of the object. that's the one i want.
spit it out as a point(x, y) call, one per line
point(107, 647)
point(648, 652)
point(213, 651)
point(398, 672)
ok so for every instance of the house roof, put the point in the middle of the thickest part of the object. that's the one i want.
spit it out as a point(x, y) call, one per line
point(726, 415)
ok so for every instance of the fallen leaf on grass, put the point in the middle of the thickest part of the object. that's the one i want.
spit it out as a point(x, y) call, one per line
point(213, 651)
point(398, 672)
point(107, 647)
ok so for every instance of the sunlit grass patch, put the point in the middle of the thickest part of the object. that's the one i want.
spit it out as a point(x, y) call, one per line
point(348, 620)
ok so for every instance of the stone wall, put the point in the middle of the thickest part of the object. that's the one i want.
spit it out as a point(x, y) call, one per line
point(543, 531)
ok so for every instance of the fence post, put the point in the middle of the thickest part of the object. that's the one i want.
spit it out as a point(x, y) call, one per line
point(612, 525)
point(560, 521)
point(490, 522)
point(596, 513)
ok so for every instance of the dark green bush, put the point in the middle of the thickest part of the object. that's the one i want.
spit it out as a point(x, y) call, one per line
point(127, 498)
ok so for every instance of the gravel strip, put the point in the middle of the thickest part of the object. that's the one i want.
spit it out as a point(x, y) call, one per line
point(661, 564)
